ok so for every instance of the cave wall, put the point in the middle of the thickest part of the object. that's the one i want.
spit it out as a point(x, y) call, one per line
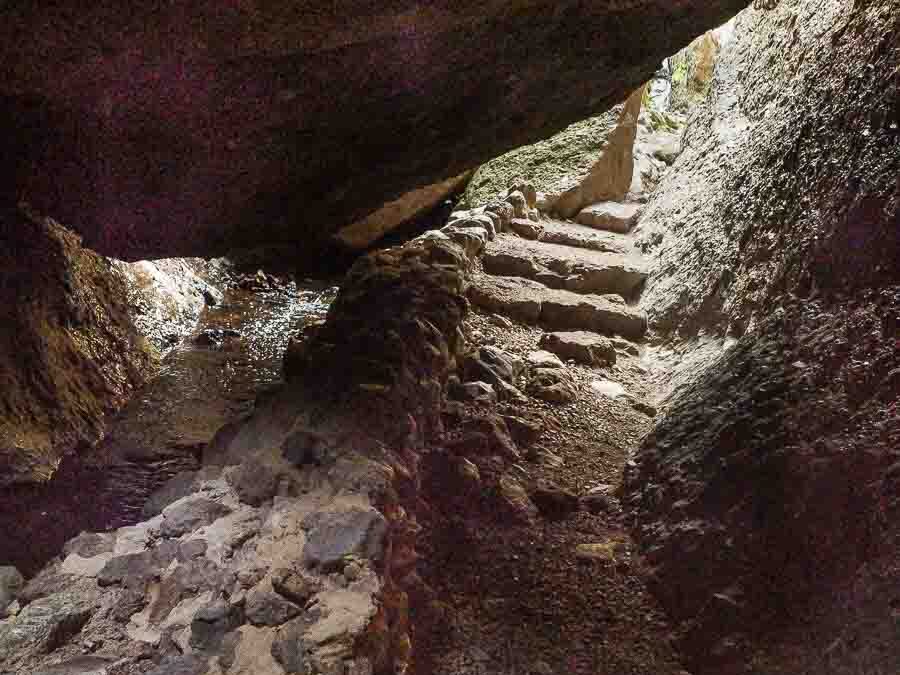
point(160, 131)
point(766, 499)
point(69, 351)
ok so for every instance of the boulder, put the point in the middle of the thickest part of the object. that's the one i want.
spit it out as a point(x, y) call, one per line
point(334, 535)
point(11, 582)
point(544, 359)
point(473, 392)
point(525, 228)
point(610, 176)
point(581, 346)
point(610, 216)
point(554, 385)
point(190, 514)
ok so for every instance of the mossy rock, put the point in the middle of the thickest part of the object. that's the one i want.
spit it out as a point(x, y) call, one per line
point(571, 152)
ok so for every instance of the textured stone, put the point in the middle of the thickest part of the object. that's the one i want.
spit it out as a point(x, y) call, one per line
point(554, 385)
point(295, 158)
point(581, 346)
point(11, 582)
point(265, 607)
point(334, 535)
point(610, 176)
point(190, 514)
point(610, 216)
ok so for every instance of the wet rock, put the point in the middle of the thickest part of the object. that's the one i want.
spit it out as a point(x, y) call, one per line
point(70, 353)
point(11, 582)
point(215, 337)
point(334, 535)
point(610, 216)
point(553, 385)
point(581, 346)
point(554, 502)
point(190, 514)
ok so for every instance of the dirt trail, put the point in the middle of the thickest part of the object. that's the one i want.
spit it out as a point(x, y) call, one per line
point(514, 596)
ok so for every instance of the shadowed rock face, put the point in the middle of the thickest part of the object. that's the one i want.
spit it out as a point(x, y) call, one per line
point(766, 498)
point(162, 132)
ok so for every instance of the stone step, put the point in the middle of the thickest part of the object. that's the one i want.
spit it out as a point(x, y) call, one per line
point(565, 267)
point(531, 302)
point(581, 236)
point(610, 216)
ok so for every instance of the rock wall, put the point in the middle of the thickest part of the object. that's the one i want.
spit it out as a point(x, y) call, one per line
point(766, 499)
point(160, 131)
point(292, 548)
point(69, 352)
point(80, 333)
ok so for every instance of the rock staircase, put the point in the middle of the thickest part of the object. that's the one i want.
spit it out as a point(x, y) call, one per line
point(563, 276)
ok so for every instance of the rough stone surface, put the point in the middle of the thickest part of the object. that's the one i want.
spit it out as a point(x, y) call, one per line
point(11, 582)
point(160, 136)
point(558, 310)
point(611, 216)
point(772, 472)
point(553, 385)
point(609, 179)
point(69, 352)
point(581, 346)
point(574, 269)
point(187, 515)
point(333, 536)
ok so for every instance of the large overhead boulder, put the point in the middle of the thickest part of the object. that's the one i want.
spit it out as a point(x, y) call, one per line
point(157, 131)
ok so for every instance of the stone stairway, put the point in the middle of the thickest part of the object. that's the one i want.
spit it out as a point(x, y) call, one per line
point(563, 276)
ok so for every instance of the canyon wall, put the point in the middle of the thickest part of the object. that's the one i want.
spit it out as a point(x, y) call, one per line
point(766, 500)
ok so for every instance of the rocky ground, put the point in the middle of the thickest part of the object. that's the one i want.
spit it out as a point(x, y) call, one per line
point(230, 354)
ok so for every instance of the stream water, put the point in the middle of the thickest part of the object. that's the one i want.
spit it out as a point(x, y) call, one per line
point(212, 377)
